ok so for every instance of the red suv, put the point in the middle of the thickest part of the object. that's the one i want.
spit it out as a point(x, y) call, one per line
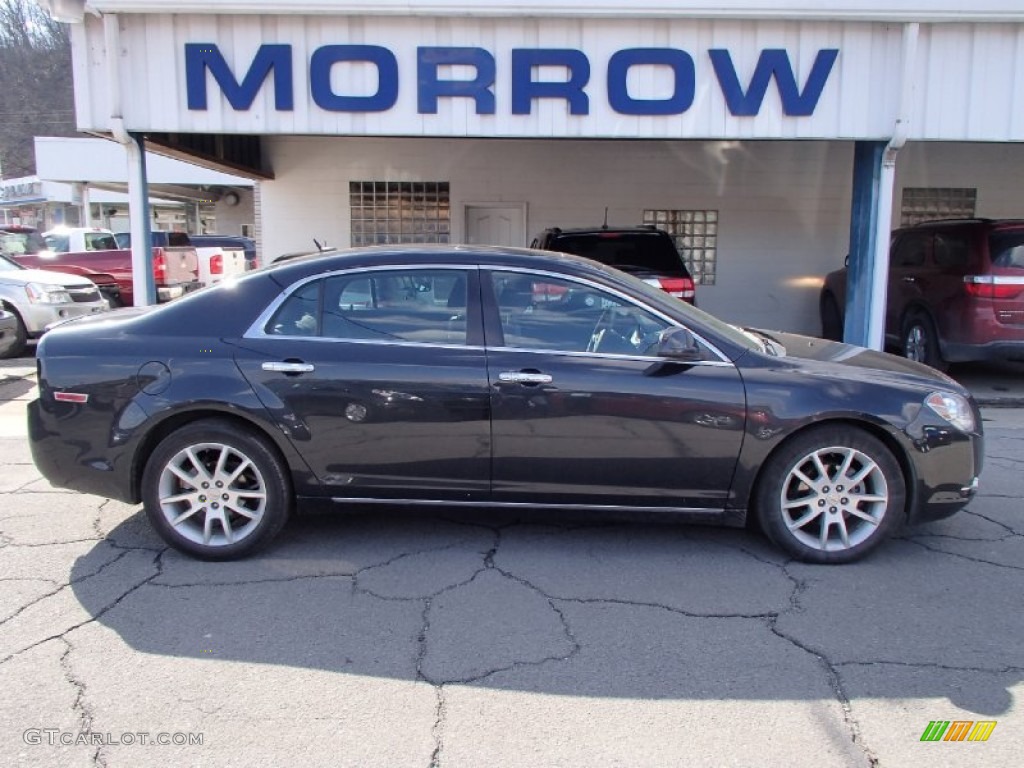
point(956, 292)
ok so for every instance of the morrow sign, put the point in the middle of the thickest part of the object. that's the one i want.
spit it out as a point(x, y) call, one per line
point(435, 65)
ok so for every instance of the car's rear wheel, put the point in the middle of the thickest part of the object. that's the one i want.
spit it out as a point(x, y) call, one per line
point(831, 318)
point(920, 341)
point(20, 336)
point(831, 495)
point(216, 491)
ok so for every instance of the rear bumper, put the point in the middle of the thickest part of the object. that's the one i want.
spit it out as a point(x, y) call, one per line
point(990, 351)
point(166, 293)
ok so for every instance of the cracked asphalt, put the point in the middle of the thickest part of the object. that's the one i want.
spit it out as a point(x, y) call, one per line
point(447, 639)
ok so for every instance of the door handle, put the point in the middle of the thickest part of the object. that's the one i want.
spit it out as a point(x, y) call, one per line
point(909, 279)
point(289, 367)
point(523, 377)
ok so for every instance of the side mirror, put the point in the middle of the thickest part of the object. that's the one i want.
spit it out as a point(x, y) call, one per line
point(678, 344)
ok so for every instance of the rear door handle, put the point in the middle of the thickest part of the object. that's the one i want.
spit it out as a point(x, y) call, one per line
point(289, 367)
point(524, 377)
point(909, 279)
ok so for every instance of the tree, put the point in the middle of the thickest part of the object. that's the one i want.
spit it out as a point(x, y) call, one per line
point(35, 83)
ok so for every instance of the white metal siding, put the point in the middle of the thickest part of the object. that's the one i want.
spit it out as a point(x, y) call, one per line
point(969, 83)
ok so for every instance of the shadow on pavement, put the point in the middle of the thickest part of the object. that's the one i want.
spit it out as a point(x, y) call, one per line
point(550, 605)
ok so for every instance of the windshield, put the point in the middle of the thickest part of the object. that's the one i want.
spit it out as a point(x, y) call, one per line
point(6, 265)
point(21, 242)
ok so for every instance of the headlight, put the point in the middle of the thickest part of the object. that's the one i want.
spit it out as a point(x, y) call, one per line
point(45, 293)
point(953, 408)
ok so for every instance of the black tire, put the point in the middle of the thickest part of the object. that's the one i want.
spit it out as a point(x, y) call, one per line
point(20, 336)
point(831, 318)
point(205, 526)
point(797, 527)
point(920, 341)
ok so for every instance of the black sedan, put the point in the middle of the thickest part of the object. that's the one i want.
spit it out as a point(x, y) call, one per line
point(490, 377)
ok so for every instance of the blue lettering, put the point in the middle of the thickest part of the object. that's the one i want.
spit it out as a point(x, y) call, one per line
point(430, 89)
point(200, 57)
point(772, 62)
point(683, 71)
point(324, 59)
point(525, 89)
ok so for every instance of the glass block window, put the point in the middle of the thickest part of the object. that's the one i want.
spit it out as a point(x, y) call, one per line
point(389, 212)
point(932, 203)
point(696, 237)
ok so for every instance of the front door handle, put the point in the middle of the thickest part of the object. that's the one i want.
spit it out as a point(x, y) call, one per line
point(524, 377)
point(289, 367)
point(909, 279)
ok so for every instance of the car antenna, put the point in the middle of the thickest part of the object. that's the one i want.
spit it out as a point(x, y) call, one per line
point(320, 246)
point(605, 225)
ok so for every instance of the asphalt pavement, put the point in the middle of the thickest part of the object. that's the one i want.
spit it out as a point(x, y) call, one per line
point(370, 639)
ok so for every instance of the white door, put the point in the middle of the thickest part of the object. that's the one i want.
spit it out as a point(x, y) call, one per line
point(503, 224)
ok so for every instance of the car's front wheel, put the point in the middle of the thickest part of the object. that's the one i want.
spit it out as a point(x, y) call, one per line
point(20, 335)
point(831, 495)
point(215, 490)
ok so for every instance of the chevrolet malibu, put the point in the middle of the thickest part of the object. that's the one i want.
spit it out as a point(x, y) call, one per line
point(489, 378)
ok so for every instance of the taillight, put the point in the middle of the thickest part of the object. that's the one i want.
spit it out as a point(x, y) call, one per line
point(993, 286)
point(159, 267)
point(217, 264)
point(680, 287)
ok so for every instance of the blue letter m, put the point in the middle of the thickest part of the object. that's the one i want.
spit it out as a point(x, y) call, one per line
point(200, 57)
point(773, 61)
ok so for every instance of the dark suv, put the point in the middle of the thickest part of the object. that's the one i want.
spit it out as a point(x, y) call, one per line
point(646, 252)
point(955, 292)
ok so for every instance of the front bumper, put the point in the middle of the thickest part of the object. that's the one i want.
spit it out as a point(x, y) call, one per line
point(38, 317)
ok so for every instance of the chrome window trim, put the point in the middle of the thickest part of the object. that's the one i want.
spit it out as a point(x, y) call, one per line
point(615, 292)
point(255, 331)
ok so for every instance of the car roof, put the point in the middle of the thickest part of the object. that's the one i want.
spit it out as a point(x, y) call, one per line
point(638, 229)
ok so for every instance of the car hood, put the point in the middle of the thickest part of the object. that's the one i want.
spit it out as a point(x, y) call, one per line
point(815, 356)
point(25, 276)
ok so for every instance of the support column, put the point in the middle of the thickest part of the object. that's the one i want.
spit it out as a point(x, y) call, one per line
point(138, 212)
point(865, 293)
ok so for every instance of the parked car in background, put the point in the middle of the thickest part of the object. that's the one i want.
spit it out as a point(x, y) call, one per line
point(644, 252)
point(955, 292)
point(246, 244)
point(491, 377)
point(29, 248)
point(219, 257)
point(38, 298)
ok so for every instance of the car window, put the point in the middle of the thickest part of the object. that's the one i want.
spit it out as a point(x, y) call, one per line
point(417, 305)
point(1007, 249)
point(647, 251)
point(911, 251)
point(99, 241)
point(543, 312)
point(952, 251)
point(19, 243)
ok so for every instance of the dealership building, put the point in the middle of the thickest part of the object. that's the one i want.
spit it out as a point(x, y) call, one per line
point(770, 138)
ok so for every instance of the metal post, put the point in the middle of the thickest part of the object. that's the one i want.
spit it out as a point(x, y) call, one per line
point(862, 296)
point(138, 212)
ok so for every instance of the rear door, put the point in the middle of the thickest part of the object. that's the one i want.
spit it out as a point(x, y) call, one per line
point(378, 378)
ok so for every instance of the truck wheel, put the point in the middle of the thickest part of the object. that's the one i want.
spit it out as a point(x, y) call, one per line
point(20, 336)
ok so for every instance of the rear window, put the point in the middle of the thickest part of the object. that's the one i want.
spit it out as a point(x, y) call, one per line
point(627, 251)
point(1007, 249)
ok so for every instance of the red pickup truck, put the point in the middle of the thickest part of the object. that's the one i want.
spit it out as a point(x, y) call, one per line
point(93, 252)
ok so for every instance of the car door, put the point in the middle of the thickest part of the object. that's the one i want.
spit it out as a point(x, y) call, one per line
point(584, 413)
point(378, 378)
point(908, 278)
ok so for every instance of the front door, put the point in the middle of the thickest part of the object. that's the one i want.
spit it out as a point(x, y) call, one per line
point(583, 413)
point(496, 225)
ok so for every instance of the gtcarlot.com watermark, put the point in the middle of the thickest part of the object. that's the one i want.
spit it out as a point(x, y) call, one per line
point(56, 737)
